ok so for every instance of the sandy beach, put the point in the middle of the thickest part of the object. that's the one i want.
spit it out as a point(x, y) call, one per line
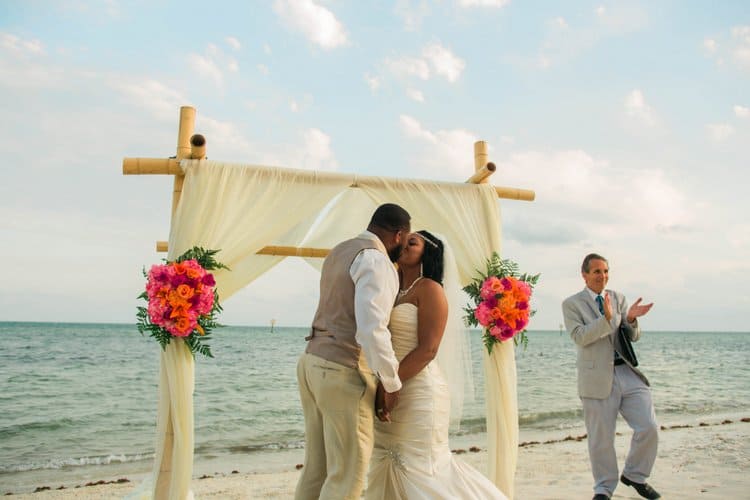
point(707, 460)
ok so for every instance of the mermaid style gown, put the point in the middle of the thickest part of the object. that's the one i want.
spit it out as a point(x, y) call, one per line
point(412, 459)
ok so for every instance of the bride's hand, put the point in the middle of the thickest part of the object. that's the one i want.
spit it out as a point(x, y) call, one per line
point(380, 411)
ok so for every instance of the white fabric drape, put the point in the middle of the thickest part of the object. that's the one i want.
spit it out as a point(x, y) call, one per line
point(239, 211)
point(241, 208)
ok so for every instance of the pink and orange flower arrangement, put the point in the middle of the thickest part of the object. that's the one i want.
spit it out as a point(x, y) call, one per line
point(501, 302)
point(182, 300)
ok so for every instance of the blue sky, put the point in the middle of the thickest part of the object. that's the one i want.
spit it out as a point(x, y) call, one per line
point(630, 120)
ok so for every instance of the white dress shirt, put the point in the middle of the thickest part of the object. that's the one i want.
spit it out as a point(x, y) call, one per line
point(375, 288)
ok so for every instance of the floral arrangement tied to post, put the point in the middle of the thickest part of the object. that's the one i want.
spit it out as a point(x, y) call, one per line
point(182, 300)
point(500, 302)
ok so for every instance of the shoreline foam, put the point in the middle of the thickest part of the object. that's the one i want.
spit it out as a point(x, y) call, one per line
point(705, 459)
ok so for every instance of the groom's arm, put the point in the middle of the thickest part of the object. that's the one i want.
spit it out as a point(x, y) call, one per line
point(375, 288)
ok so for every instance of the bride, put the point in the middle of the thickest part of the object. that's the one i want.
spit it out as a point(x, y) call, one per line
point(412, 458)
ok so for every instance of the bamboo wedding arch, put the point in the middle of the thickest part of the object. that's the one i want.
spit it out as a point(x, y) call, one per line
point(173, 463)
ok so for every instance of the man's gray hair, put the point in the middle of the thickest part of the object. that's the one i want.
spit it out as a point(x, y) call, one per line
point(588, 259)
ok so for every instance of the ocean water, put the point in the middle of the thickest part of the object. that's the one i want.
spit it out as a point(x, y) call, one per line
point(78, 401)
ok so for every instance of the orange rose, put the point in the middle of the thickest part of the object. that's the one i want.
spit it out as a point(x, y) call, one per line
point(183, 325)
point(185, 291)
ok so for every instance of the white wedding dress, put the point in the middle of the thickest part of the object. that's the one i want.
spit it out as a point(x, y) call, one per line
point(412, 459)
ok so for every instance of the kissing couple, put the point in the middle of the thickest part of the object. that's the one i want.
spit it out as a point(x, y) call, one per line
point(373, 388)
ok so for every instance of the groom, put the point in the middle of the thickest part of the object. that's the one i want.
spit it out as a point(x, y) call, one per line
point(349, 351)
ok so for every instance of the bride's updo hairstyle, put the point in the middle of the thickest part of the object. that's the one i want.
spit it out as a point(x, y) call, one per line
point(432, 258)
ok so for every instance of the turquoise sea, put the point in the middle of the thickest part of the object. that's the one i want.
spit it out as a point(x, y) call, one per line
point(78, 401)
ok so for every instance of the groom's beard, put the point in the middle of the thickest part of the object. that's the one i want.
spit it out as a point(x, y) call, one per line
point(394, 253)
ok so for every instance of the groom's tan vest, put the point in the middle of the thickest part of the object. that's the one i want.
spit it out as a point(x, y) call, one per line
point(334, 326)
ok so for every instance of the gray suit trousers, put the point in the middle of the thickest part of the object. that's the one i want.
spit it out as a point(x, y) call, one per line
point(630, 397)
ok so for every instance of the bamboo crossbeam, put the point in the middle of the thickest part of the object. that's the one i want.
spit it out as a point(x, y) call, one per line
point(156, 166)
point(150, 166)
point(510, 193)
point(482, 174)
point(282, 251)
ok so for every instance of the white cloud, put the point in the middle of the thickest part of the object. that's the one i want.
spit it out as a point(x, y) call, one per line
point(710, 45)
point(448, 151)
point(266, 49)
point(742, 111)
point(316, 153)
point(621, 18)
point(18, 45)
point(741, 50)
point(543, 62)
point(444, 62)
point(563, 43)
point(209, 65)
point(741, 33)
point(207, 68)
point(318, 24)
point(735, 47)
point(719, 132)
point(156, 97)
point(233, 42)
point(415, 95)
point(559, 22)
point(577, 186)
point(405, 67)
point(434, 60)
point(263, 69)
point(24, 65)
point(637, 107)
point(412, 14)
point(293, 106)
point(372, 81)
point(483, 3)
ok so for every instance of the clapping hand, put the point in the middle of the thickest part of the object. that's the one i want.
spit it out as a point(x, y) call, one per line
point(637, 310)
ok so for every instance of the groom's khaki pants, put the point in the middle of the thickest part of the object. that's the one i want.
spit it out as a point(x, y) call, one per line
point(338, 405)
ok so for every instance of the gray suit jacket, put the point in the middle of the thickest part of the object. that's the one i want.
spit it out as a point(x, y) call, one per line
point(596, 340)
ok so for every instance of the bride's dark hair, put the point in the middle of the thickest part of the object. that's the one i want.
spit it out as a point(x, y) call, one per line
point(432, 257)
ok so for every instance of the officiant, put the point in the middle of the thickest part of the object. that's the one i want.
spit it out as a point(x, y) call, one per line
point(603, 327)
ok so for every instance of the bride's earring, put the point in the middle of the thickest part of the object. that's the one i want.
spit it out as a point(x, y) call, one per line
point(420, 269)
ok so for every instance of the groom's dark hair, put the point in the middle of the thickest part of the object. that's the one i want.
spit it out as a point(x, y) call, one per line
point(391, 217)
point(432, 257)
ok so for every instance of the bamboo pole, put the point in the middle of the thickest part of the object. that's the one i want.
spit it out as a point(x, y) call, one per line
point(510, 193)
point(480, 158)
point(482, 174)
point(197, 147)
point(185, 131)
point(150, 166)
point(283, 251)
point(158, 166)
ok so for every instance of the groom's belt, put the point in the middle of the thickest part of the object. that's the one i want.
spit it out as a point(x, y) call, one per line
point(318, 333)
point(342, 350)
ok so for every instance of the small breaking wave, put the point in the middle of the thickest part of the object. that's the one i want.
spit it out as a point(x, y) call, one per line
point(60, 463)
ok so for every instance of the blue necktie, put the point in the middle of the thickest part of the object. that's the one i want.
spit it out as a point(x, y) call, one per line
point(600, 302)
